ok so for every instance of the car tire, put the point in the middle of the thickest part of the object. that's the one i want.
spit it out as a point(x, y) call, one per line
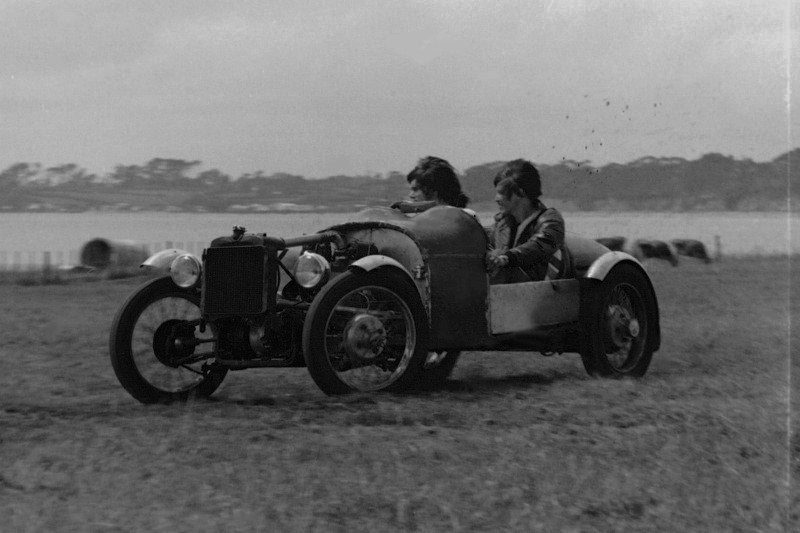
point(141, 347)
point(366, 331)
point(619, 323)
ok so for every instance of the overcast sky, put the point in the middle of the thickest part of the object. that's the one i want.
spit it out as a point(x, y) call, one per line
point(324, 87)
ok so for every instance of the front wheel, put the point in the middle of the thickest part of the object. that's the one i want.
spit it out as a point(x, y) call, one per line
point(157, 350)
point(619, 324)
point(366, 331)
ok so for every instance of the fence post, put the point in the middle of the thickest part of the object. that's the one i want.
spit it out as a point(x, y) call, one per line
point(46, 265)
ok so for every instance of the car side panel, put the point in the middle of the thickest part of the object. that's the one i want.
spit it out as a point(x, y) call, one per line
point(458, 301)
point(529, 306)
point(454, 244)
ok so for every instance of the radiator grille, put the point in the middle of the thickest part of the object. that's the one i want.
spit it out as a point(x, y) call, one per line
point(233, 280)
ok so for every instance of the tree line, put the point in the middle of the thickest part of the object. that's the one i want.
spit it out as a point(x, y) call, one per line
point(711, 182)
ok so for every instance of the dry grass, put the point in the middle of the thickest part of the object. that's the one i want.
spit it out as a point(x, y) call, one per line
point(44, 276)
point(515, 442)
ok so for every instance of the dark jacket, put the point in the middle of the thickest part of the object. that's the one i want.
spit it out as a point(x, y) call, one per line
point(531, 245)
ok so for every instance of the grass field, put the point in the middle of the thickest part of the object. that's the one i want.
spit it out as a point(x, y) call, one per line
point(514, 442)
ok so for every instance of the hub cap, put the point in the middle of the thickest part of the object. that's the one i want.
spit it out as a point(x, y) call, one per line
point(364, 337)
point(623, 327)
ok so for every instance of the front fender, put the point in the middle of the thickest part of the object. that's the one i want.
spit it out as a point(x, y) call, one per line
point(161, 261)
point(371, 262)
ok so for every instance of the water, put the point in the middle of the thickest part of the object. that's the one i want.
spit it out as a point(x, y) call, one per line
point(24, 237)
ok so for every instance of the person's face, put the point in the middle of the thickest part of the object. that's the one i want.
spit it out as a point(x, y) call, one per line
point(417, 194)
point(506, 204)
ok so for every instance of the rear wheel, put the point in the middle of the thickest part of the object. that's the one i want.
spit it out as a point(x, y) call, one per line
point(157, 351)
point(618, 323)
point(366, 331)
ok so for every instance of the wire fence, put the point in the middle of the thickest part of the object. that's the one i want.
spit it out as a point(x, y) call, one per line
point(31, 261)
point(28, 261)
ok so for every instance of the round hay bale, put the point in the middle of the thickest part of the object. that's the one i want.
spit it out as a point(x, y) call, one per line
point(105, 253)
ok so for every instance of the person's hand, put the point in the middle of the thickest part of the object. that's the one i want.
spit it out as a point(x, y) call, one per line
point(496, 260)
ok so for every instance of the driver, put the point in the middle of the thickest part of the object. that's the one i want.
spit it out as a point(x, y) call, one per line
point(432, 182)
point(527, 237)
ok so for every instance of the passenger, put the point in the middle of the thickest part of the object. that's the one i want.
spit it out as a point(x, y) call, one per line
point(432, 182)
point(527, 237)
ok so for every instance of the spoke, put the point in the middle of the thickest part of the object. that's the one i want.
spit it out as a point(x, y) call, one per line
point(386, 306)
point(190, 369)
point(625, 300)
point(166, 376)
point(194, 358)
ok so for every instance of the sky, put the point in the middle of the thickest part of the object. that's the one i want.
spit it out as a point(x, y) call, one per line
point(326, 87)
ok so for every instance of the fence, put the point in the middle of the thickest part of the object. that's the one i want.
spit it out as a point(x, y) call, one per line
point(24, 261)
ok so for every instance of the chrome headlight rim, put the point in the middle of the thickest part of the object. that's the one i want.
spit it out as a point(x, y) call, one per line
point(186, 271)
point(311, 270)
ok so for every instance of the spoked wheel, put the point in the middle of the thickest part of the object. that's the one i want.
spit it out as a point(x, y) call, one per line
point(437, 368)
point(157, 350)
point(366, 331)
point(619, 324)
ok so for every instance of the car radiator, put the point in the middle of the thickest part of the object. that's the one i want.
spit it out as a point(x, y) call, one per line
point(234, 281)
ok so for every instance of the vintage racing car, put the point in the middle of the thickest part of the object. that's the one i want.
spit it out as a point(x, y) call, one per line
point(385, 301)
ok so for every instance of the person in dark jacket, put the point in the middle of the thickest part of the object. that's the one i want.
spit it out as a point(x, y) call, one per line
point(527, 239)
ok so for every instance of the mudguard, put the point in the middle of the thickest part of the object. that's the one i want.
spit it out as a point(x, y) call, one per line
point(371, 262)
point(161, 261)
point(601, 266)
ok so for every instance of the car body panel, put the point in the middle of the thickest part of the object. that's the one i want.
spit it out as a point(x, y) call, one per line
point(523, 307)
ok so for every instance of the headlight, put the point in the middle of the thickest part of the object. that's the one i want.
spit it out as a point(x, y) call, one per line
point(185, 270)
point(311, 270)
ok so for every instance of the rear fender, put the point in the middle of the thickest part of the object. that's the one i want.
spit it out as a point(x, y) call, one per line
point(161, 261)
point(601, 266)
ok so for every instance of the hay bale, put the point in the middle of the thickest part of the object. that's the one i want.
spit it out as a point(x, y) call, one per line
point(105, 253)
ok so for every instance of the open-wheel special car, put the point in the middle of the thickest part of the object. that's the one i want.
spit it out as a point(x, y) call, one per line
point(386, 301)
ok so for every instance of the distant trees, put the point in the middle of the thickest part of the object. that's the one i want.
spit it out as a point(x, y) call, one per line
point(714, 181)
point(156, 173)
point(17, 175)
